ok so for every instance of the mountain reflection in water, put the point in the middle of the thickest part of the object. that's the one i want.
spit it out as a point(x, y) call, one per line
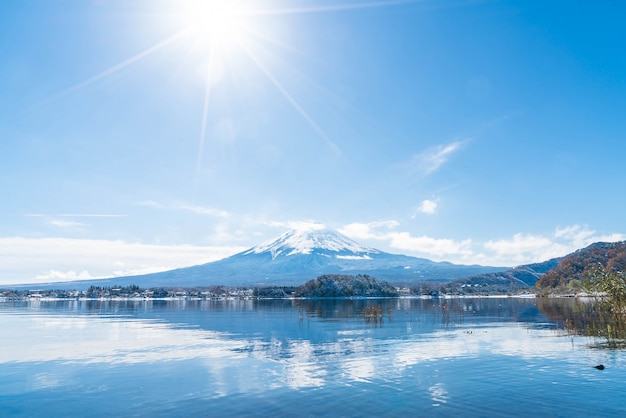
point(301, 358)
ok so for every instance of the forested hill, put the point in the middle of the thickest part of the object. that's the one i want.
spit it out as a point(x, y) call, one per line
point(611, 256)
point(341, 285)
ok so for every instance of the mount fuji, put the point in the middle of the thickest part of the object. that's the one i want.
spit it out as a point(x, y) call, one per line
point(300, 255)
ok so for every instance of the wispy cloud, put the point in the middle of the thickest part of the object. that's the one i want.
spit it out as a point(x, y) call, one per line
point(306, 225)
point(201, 210)
point(581, 235)
point(75, 215)
point(32, 260)
point(66, 224)
point(68, 220)
point(432, 159)
point(181, 206)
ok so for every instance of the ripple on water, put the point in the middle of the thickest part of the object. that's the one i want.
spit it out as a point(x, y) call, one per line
point(175, 360)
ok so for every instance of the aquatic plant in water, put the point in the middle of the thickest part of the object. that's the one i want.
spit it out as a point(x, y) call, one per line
point(605, 315)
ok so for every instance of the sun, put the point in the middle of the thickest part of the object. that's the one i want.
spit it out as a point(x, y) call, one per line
point(221, 24)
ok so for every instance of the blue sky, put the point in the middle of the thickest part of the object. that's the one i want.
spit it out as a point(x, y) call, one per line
point(137, 136)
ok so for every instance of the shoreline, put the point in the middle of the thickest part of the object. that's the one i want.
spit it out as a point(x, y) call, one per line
point(4, 299)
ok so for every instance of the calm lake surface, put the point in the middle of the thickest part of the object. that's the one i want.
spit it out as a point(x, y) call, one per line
point(393, 357)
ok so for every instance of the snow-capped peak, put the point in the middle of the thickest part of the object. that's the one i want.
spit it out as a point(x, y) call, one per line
point(307, 240)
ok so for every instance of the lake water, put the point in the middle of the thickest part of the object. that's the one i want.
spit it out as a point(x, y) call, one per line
point(344, 358)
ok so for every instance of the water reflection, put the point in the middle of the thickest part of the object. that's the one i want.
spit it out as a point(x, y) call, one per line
point(83, 339)
point(447, 311)
point(237, 347)
point(438, 393)
point(592, 318)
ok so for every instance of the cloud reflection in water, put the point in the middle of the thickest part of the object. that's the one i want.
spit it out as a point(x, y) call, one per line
point(242, 363)
point(41, 338)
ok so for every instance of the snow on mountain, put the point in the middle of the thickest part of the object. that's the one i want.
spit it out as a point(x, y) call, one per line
point(313, 240)
point(297, 256)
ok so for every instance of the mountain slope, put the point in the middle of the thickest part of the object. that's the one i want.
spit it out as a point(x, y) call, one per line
point(548, 274)
point(610, 255)
point(300, 255)
point(519, 277)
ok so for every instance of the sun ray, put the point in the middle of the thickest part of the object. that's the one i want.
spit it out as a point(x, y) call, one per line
point(113, 69)
point(258, 35)
point(221, 27)
point(293, 102)
point(205, 110)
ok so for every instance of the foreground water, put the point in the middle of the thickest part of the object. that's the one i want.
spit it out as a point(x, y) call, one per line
point(396, 357)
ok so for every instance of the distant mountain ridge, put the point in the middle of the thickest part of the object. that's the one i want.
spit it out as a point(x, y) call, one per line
point(610, 255)
point(297, 256)
point(519, 277)
point(300, 255)
point(548, 274)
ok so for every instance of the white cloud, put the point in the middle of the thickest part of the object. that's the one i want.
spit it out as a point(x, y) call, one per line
point(36, 260)
point(428, 207)
point(424, 246)
point(525, 249)
point(432, 159)
point(519, 244)
point(298, 225)
point(440, 248)
point(515, 250)
point(54, 276)
point(367, 230)
point(66, 224)
point(357, 231)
